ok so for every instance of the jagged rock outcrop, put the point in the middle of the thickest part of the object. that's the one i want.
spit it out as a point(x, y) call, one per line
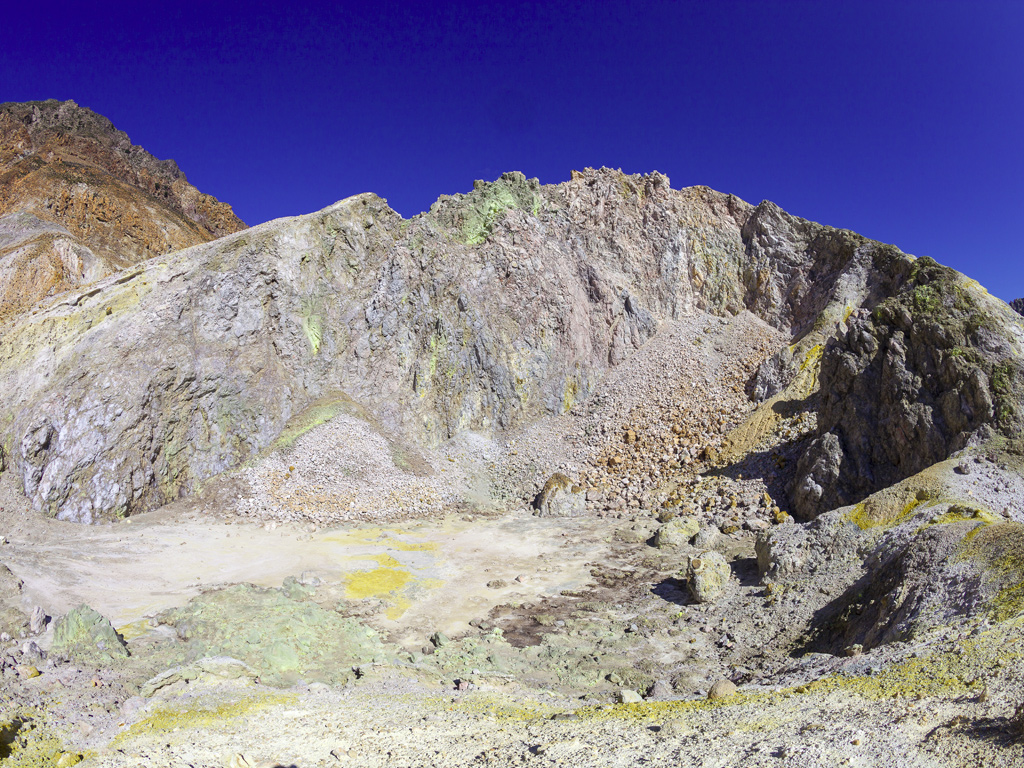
point(492, 309)
point(78, 200)
point(1018, 306)
point(927, 371)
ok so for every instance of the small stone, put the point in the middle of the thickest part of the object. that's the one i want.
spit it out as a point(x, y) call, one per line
point(68, 759)
point(722, 689)
point(37, 623)
point(439, 639)
point(27, 671)
point(627, 696)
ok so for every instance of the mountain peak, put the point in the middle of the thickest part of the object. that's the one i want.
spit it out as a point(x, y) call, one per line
point(95, 195)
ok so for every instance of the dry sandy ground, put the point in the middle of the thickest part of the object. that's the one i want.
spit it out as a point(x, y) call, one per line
point(433, 574)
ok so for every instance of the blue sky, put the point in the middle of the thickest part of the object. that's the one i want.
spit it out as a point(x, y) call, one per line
point(903, 121)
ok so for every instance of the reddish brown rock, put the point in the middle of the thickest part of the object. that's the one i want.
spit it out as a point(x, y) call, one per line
point(108, 203)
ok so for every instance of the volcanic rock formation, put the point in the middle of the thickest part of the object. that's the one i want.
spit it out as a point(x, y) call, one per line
point(587, 410)
point(79, 201)
point(491, 310)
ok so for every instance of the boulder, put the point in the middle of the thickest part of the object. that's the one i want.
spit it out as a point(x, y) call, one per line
point(722, 689)
point(212, 669)
point(707, 576)
point(560, 497)
point(85, 635)
point(676, 533)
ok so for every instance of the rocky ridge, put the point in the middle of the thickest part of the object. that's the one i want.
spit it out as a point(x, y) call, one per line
point(422, 323)
point(85, 202)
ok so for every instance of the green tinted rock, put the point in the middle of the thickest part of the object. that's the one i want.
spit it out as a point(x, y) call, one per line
point(84, 634)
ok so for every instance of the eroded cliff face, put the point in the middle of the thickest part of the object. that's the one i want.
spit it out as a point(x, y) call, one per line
point(112, 204)
point(491, 310)
point(933, 367)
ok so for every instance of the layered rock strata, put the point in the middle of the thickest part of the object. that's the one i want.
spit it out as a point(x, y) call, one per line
point(78, 200)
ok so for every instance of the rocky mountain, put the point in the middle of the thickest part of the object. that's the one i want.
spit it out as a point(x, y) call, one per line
point(78, 201)
point(631, 474)
point(492, 310)
point(1018, 305)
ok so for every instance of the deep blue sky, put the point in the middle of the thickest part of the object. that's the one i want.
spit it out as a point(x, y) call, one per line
point(901, 120)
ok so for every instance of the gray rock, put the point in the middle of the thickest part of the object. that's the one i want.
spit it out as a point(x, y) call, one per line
point(421, 322)
point(935, 367)
point(707, 537)
point(627, 696)
point(37, 621)
point(676, 533)
point(707, 576)
point(31, 653)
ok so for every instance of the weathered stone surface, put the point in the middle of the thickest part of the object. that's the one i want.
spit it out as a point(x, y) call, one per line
point(84, 634)
point(560, 497)
point(676, 532)
point(211, 669)
point(933, 367)
point(82, 202)
point(492, 310)
point(37, 620)
point(280, 637)
point(707, 576)
point(12, 619)
point(627, 696)
point(722, 689)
